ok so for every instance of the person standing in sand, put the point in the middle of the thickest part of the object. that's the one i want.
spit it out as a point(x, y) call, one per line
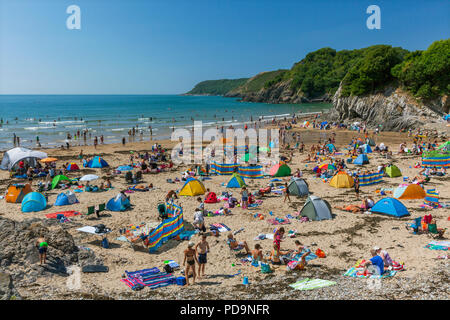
point(286, 193)
point(202, 248)
point(190, 257)
point(42, 245)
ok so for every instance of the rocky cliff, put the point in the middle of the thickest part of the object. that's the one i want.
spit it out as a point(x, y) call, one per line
point(392, 107)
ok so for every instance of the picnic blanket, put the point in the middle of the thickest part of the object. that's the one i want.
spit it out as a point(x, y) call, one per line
point(151, 278)
point(66, 214)
point(438, 245)
point(310, 284)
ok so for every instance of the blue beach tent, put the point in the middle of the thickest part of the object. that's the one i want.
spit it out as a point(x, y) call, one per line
point(65, 199)
point(361, 159)
point(33, 202)
point(118, 203)
point(391, 207)
point(97, 162)
point(366, 148)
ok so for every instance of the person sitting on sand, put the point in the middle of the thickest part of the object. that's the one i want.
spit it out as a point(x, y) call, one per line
point(298, 251)
point(384, 255)
point(108, 184)
point(278, 257)
point(257, 255)
point(234, 245)
point(376, 261)
point(190, 257)
point(171, 194)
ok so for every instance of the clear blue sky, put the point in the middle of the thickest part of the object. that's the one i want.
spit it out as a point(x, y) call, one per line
point(167, 46)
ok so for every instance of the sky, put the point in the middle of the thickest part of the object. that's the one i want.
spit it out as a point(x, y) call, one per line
point(167, 46)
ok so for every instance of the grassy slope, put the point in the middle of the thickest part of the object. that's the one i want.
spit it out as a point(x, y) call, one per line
point(217, 87)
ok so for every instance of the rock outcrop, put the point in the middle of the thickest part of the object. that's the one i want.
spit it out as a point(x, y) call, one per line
point(393, 108)
point(20, 259)
point(280, 92)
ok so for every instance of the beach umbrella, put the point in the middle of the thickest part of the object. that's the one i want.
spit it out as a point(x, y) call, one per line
point(89, 177)
point(47, 160)
point(327, 166)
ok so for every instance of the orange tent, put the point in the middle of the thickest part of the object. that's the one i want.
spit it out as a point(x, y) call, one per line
point(16, 193)
point(412, 191)
point(341, 180)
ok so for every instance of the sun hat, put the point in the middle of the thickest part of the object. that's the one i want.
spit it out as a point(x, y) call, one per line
point(191, 244)
point(376, 248)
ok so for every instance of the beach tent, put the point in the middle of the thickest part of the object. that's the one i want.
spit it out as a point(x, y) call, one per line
point(341, 180)
point(280, 170)
point(33, 202)
point(445, 147)
point(192, 187)
point(361, 160)
point(393, 171)
point(247, 157)
point(408, 192)
point(316, 209)
point(365, 148)
point(97, 162)
point(56, 180)
point(370, 142)
point(251, 172)
point(65, 199)
point(73, 167)
point(236, 181)
point(12, 157)
point(211, 198)
point(17, 192)
point(118, 203)
point(390, 206)
point(298, 187)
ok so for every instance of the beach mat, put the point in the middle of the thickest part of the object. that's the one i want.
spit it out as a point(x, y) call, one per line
point(311, 284)
point(94, 268)
point(66, 214)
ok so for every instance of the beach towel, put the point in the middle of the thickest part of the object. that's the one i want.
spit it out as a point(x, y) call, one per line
point(310, 284)
point(186, 235)
point(355, 273)
point(438, 245)
point(66, 214)
point(277, 221)
point(151, 278)
point(219, 227)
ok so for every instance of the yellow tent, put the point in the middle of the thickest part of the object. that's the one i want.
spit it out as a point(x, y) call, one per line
point(192, 187)
point(16, 193)
point(341, 180)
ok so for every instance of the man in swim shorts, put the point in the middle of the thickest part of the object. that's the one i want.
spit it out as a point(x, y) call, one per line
point(202, 248)
point(42, 245)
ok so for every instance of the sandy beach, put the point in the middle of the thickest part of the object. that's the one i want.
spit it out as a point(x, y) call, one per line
point(345, 239)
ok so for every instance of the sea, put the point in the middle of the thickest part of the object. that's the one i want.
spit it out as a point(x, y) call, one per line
point(52, 117)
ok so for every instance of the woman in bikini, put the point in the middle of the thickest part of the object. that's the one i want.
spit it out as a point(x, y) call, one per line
point(190, 257)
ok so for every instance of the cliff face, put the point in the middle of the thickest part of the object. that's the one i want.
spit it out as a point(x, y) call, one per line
point(393, 108)
point(280, 92)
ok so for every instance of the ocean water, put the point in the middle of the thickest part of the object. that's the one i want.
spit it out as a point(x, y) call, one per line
point(52, 117)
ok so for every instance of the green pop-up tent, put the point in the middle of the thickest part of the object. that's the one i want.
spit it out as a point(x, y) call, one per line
point(393, 171)
point(58, 179)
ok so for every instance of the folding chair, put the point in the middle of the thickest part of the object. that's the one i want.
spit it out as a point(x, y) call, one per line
point(90, 212)
point(434, 232)
point(415, 226)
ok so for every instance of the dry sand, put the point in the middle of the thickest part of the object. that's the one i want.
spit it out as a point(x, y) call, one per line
point(345, 239)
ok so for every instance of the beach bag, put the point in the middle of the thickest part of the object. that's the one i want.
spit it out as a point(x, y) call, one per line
point(320, 253)
point(265, 268)
point(397, 266)
point(168, 268)
point(292, 265)
point(100, 228)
